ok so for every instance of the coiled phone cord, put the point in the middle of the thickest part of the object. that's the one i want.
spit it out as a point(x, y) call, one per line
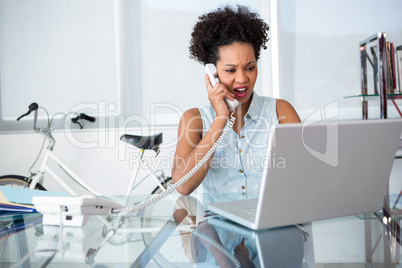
point(173, 187)
point(218, 246)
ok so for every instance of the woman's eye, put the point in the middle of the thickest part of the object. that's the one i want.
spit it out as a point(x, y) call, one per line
point(251, 68)
point(230, 71)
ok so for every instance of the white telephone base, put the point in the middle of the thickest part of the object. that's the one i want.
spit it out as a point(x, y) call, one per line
point(74, 210)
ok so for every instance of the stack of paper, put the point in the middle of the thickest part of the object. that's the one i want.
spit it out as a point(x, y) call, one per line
point(20, 199)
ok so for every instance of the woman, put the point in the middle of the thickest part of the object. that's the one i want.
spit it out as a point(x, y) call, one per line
point(231, 39)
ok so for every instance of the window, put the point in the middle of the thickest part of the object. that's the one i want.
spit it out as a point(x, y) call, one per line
point(106, 58)
point(56, 53)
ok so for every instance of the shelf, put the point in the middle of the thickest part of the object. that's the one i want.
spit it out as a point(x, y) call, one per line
point(382, 103)
point(395, 214)
point(372, 96)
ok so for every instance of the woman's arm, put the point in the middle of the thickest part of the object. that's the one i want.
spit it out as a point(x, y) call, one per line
point(191, 148)
point(191, 145)
point(286, 113)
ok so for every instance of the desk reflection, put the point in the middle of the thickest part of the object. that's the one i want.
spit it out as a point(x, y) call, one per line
point(227, 244)
point(175, 232)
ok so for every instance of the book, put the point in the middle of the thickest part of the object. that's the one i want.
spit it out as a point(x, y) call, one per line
point(20, 199)
point(389, 80)
point(393, 68)
point(399, 65)
point(6, 205)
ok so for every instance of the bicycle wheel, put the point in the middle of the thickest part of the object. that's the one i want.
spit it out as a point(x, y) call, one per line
point(171, 252)
point(168, 181)
point(118, 239)
point(149, 213)
point(18, 181)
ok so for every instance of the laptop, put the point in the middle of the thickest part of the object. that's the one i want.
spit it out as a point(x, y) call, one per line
point(327, 170)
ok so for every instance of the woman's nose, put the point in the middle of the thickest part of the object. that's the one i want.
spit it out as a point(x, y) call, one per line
point(241, 77)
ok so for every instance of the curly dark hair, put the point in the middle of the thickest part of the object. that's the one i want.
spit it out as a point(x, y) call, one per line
point(223, 27)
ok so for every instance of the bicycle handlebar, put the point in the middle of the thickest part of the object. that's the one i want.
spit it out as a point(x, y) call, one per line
point(82, 116)
point(86, 117)
point(47, 132)
point(32, 107)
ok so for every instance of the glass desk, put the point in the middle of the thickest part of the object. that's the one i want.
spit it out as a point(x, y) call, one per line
point(175, 232)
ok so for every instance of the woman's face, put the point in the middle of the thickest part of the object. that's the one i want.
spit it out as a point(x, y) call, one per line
point(237, 69)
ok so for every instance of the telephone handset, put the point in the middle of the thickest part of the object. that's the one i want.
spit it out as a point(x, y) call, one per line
point(210, 69)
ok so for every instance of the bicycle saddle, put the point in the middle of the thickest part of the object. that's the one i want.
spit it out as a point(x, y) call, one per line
point(143, 142)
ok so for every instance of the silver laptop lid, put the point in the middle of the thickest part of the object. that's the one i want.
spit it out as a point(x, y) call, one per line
point(326, 170)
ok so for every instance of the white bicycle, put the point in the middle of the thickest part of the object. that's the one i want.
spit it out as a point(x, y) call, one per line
point(36, 180)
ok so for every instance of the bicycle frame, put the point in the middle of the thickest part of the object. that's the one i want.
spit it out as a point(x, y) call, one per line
point(45, 168)
point(135, 173)
point(49, 155)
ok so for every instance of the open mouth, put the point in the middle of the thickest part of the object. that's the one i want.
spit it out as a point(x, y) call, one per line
point(241, 92)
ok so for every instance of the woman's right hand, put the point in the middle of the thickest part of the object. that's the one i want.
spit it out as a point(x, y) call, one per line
point(216, 97)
